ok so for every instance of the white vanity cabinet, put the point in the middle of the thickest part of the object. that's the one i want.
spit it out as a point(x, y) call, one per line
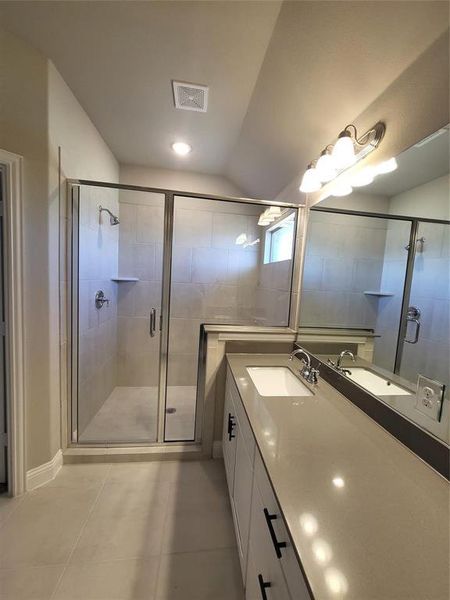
point(238, 452)
point(230, 431)
point(270, 568)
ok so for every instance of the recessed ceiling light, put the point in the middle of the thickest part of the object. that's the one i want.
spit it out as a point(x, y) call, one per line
point(338, 482)
point(181, 148)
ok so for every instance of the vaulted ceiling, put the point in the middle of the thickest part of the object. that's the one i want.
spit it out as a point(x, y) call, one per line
point(284, 77)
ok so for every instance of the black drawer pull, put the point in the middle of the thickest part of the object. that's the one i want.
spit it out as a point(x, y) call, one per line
point(276, 544)
point(263, 585)
point(231, 425)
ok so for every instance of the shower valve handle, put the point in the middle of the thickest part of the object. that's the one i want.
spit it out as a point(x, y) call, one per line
point(101, 299)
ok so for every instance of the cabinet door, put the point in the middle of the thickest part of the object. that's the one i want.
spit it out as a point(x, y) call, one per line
point(265, 579)
point(229, 436)
point(286, 554)
point(252, 586)
point(242, 495)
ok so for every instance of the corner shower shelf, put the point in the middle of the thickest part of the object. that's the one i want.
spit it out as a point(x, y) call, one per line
point(124, 279)
point(380, 294)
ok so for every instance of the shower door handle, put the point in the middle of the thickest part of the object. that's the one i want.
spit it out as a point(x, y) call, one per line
point(413, 316)
point(152, 322)
point(416, 336)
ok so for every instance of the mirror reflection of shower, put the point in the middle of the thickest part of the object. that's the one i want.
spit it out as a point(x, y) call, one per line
point(113, 219)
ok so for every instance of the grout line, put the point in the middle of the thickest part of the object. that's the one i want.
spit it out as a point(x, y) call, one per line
point(170, 487)
point(83, 527)
point(9, 515)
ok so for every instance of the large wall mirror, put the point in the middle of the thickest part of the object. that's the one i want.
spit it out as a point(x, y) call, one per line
point(378, 261)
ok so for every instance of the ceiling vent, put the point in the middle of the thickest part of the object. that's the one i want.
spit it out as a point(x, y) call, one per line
point(190, 96)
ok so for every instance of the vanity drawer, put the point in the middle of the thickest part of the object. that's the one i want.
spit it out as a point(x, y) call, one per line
point(273, 520)
point(244, 426)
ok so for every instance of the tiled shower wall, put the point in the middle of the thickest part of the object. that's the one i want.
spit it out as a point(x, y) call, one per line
point(141, 233)
point(344, 258)
point(273, 292)
point(213, 279)
point(97, 264)
point(392, 281)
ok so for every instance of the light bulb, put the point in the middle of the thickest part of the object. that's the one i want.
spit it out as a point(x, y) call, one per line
point(310, 181)
point(343, 151)
point(181, 148)
point(341, 189)
point(386, 166)
point(325, 167)
point(363, 178)
point(273, 211)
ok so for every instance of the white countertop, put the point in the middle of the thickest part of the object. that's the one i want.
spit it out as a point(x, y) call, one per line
point(369, 520)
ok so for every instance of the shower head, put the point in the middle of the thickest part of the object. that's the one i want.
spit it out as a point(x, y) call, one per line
point(113, 219)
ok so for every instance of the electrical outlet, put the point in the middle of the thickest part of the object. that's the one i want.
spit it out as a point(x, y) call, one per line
point(429, 397)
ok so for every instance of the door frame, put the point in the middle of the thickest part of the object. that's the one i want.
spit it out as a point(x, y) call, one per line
point(11, 165)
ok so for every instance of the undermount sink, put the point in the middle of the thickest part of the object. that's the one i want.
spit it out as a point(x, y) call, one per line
point(375, 384)
point(277, 381)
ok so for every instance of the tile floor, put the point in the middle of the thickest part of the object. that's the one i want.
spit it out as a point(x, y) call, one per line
point(129, 531)
point(129, 414)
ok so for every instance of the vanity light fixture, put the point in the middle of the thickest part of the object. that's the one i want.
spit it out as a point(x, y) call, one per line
point(341, 188)
point(269, 215)
point(311, 180)
point(242, 240)
point(343, 153)
point(263, 220)
point(325, 167)
point(364, 177)
point(181, 148)
point(386, 166)
point(348, 149)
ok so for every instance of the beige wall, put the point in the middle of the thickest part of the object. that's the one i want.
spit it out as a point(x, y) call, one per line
point(24, 130)
point(141, 232)
point(182, 181)
point(38, 113)
point(83, 154)
point(430, 200)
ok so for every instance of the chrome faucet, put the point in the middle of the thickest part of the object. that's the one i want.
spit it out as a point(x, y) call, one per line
point(337, 364)
point(307, 372)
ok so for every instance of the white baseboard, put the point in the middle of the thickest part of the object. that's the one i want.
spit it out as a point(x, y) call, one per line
point(217, 450)
point(44, 473)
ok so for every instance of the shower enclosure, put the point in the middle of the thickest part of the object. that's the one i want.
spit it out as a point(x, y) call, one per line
point(148, 268)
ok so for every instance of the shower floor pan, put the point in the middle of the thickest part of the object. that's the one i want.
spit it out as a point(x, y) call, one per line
point(129, 414)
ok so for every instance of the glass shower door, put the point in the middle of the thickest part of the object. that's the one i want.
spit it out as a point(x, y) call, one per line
point(118, 282)
point(426, 342)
